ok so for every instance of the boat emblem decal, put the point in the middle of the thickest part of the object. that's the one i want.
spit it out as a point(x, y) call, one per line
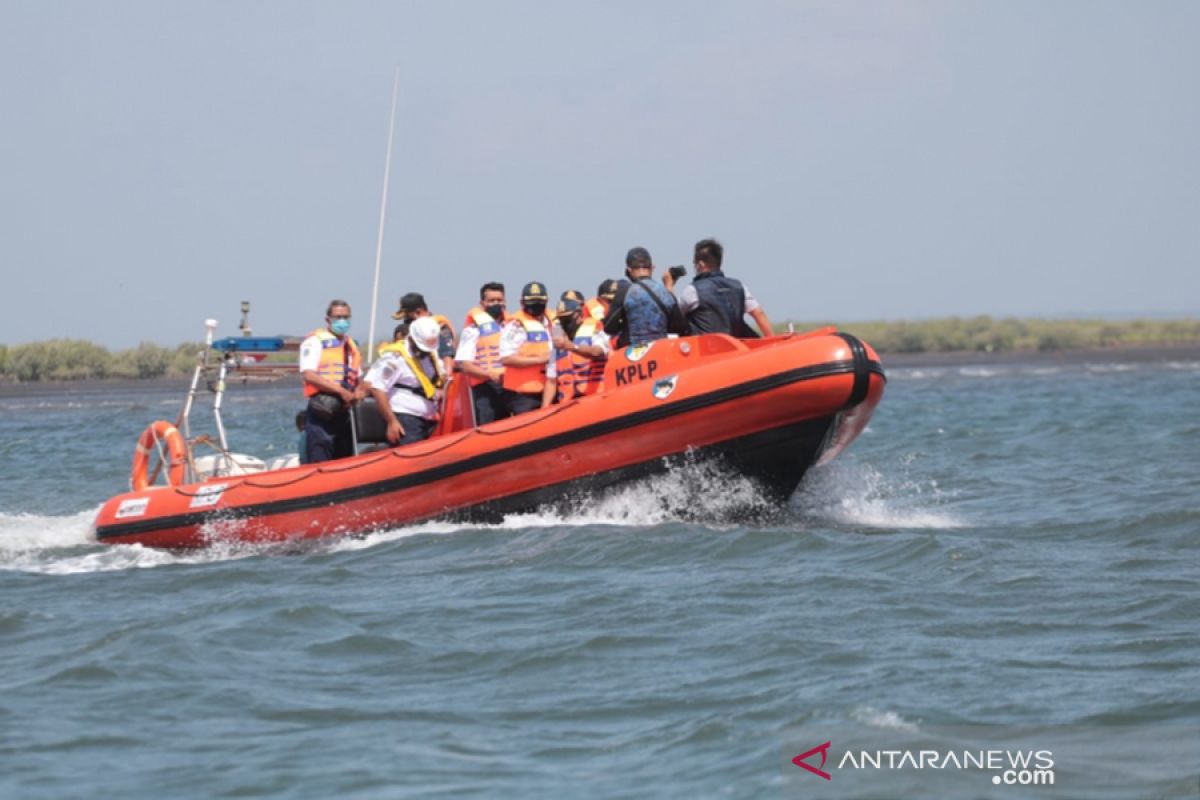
point(132, 508)
point(208, 496)
point(638, 351)
point(662, 389)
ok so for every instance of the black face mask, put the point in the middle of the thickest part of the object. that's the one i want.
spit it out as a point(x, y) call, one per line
point(496, 310)
point(570, 324)
point(535, 309)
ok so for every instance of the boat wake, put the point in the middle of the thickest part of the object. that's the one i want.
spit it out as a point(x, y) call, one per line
point(852, 494)
point(846, 494)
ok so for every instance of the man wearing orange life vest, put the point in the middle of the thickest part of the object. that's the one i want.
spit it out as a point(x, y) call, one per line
point(412, 307)
point(581, 350)
point(330, 365)
point(478, 355)
point(530, 374)
point(597, 307)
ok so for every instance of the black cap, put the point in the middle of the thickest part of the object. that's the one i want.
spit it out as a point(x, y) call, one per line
point(607, 289)
point(534, 292)
point(413, 301)
point(638, 255)
point(568, 305)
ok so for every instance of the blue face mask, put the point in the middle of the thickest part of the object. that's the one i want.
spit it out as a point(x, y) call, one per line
point(340, 326)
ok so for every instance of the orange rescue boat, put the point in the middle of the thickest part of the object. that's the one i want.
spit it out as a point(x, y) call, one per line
point(769, 408)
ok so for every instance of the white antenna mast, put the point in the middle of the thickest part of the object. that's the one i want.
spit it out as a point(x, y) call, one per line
point(387, 169)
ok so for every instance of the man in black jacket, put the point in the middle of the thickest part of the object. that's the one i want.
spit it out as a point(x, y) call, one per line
point(716, 303)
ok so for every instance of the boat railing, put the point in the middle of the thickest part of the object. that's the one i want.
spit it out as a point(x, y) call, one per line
point(235, 357)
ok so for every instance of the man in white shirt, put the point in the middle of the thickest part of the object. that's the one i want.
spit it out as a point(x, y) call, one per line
point(330, 365)
point(406, 381)
point(527, 353)
point(478, 355)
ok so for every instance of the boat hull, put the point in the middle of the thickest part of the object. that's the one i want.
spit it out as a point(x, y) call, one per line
point(768, 409)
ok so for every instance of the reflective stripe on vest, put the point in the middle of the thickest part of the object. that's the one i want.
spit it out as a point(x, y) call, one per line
point(565, 364)
point(528, 380)
point(487, 346)
point(588, 372)
point(333, 364)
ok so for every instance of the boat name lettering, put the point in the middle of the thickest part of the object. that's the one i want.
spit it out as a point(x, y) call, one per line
point(636, 372)
point(208, 496)
point(132, 508)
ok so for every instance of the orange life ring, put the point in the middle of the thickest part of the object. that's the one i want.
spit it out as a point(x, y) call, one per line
point(168, 434)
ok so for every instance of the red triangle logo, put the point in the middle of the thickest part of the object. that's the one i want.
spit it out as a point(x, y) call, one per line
point(823, 749)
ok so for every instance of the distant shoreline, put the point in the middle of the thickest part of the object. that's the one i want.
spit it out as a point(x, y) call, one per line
point(1135, 354)
point(1121, 354)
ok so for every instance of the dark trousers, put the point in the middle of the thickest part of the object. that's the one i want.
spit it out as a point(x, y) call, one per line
point(328, 438)
point(489, 403)
point(416, 429)
point(518, 403)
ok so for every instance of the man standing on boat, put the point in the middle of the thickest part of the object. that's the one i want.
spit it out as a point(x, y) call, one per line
point(715, 303)
point(412, 307)
point(330, 365)
point(478, 355)
point(405, 381)
point(643, 310)
point(530, 375)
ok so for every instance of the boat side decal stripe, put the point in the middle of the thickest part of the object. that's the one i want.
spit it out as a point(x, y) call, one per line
point(518, 451)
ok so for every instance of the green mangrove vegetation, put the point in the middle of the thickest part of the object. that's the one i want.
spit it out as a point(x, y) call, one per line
point(79, 359)
point(991, 335)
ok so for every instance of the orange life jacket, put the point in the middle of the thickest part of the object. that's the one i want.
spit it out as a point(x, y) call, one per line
point(595, 308)
point(529, 380)
point(445, 323)
point(487, 346)
point(340, 361)
point(588, 372)
point(579, 375)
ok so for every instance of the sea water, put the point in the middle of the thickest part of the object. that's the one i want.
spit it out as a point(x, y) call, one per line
point(1006, 545)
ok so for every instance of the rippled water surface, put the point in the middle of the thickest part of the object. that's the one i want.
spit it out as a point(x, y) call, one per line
point(1005, 545)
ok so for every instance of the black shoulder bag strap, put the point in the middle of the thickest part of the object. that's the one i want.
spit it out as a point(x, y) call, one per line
point(661, 305)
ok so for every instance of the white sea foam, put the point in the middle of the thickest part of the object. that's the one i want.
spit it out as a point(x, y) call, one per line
point(50, 545)
point(875, 718)
point(916, 373)
point(854, 494)
point(691, 488)
point(1107, 368)
point(20, 533)
point(980, 372)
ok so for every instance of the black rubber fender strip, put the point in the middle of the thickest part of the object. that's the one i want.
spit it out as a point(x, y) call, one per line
point(862, 371)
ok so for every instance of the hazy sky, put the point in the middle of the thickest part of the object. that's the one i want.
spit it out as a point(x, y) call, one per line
point(163, 161)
